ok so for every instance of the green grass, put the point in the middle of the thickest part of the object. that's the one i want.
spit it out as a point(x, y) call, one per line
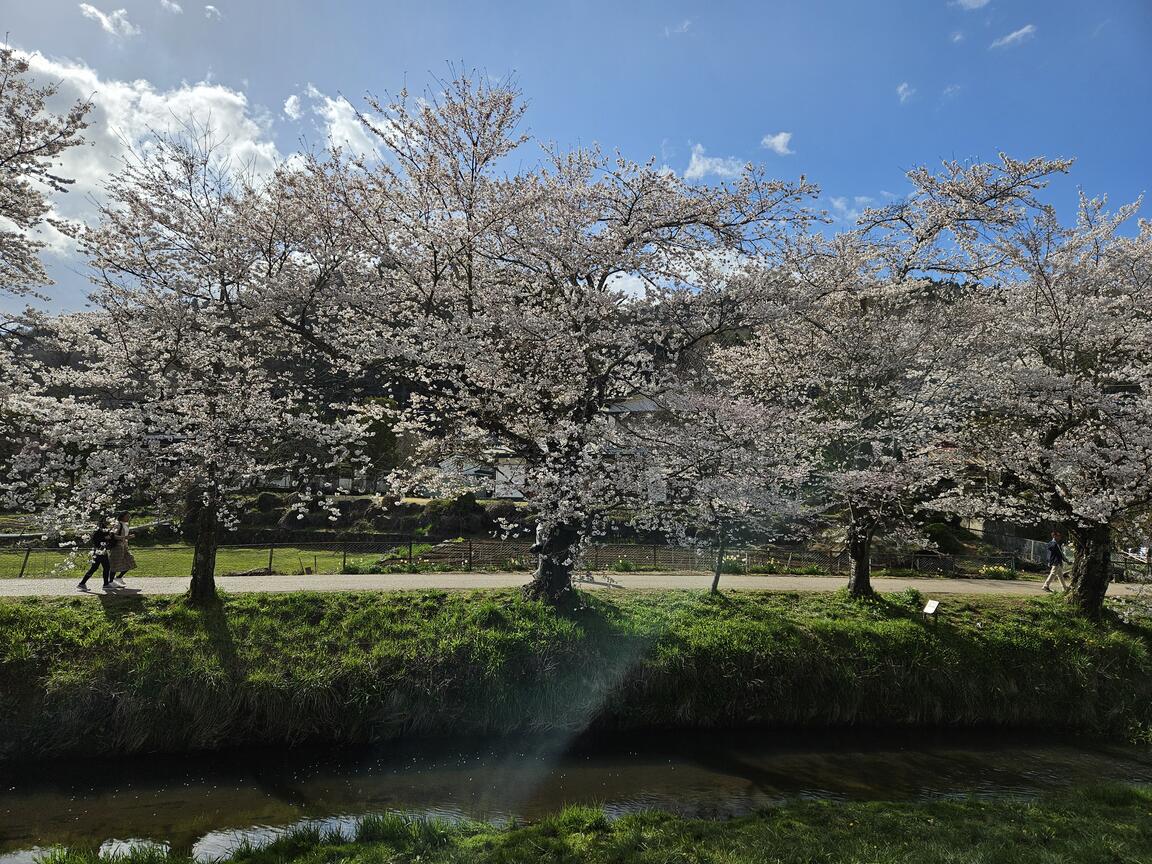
point(1104, 825)
point(123, 674)
point(177, 561)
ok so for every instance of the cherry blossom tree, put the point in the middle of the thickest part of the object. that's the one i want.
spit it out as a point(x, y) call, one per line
point(867, 341)
point(527, 303)
point(717, 467)
point(1065, 384)
point(181, 387)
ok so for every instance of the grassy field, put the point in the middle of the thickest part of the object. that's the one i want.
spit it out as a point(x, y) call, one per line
point(129, 674)
point(1105, 825)
point(177, 561)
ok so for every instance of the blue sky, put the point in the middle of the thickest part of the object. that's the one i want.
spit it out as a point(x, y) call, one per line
point(862, 90)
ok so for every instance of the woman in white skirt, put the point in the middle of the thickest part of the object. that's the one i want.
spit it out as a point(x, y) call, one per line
point(120, 559)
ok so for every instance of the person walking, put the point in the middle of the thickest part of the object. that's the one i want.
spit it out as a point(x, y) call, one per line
point(120, 556)
point(1056, 562)
point(101, 539)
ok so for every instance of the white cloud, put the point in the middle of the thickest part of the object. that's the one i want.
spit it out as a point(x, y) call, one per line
point(843, 211)
point(1015, 37)
point(700, 166)
point(957, 37)
point(292, 107)
point(950, 91)
point(905, 91)
point(124, 114)
point(213, 13)
point(172, 6)
point(628, 284)
point(679, 29)
point(341, 124)
point(970, 5)
point(114, 24)
point(778, 143)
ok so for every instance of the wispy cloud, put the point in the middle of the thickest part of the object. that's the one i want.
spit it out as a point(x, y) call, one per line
point(950, 91)
point(1015, 37)
point(700, 166)
point(115, 23)
point(778, 143)
point(213, 13)
point(172, 6)
point(905, 91)
point(292, 107)
point(339, 120)
point(957, 37)
point(846, 210)
point(970, 5)
point(678, 29)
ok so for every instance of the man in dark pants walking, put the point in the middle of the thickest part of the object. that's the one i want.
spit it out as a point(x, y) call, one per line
point(101, 539)
point(1056, 562)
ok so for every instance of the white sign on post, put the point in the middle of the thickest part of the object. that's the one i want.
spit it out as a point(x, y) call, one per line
point(931, 606)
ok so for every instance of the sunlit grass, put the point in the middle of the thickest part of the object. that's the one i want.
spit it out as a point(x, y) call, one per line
point(151, 673)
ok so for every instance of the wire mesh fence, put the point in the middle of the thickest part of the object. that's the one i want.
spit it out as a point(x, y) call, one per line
point(407, 554)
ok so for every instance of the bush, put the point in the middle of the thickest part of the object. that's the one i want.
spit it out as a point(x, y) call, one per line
point(996, 571)
point(623, 565)
point(732, 565)
point(944, 536)
point(453, 517)
point(266, 502)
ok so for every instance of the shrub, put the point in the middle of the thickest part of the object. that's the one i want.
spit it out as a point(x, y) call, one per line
point(732, 565)
point(996, 571)
point(623, 565)
point(456, 516)
point(266, 502)
point(944, 536)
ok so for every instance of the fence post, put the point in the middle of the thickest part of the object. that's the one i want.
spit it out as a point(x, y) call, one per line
point(409, 553)
point(655, 563)
point(271, 546)
point(24, 564)
point(469, 554)
point(344, 558)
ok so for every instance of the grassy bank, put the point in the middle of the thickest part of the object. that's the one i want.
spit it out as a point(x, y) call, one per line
point(123, 674)
point(1108, 824)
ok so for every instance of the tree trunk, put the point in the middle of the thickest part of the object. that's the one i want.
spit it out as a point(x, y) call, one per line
point(203, 587)
point(860, 557)
point(719, 564)
point(556, 550)
point(1092, 569)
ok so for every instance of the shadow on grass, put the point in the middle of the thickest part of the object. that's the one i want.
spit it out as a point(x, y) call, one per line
point(125, 601)
point(215, 624)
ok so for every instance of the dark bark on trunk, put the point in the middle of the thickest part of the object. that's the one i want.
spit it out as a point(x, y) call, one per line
point(1092, 569)
point(553, 579)
point(860, 557)
point(203, 587)
point(719, 564)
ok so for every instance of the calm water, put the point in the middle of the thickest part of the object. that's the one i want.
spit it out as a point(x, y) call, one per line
point(207, 803)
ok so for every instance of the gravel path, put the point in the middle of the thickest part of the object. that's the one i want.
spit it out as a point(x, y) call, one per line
point(426, 581)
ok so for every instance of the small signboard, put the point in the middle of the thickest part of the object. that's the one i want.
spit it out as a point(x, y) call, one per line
point(931, 606)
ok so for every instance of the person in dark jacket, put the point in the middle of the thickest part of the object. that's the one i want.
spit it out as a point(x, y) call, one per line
point(101, 539)
point(1056, 562)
